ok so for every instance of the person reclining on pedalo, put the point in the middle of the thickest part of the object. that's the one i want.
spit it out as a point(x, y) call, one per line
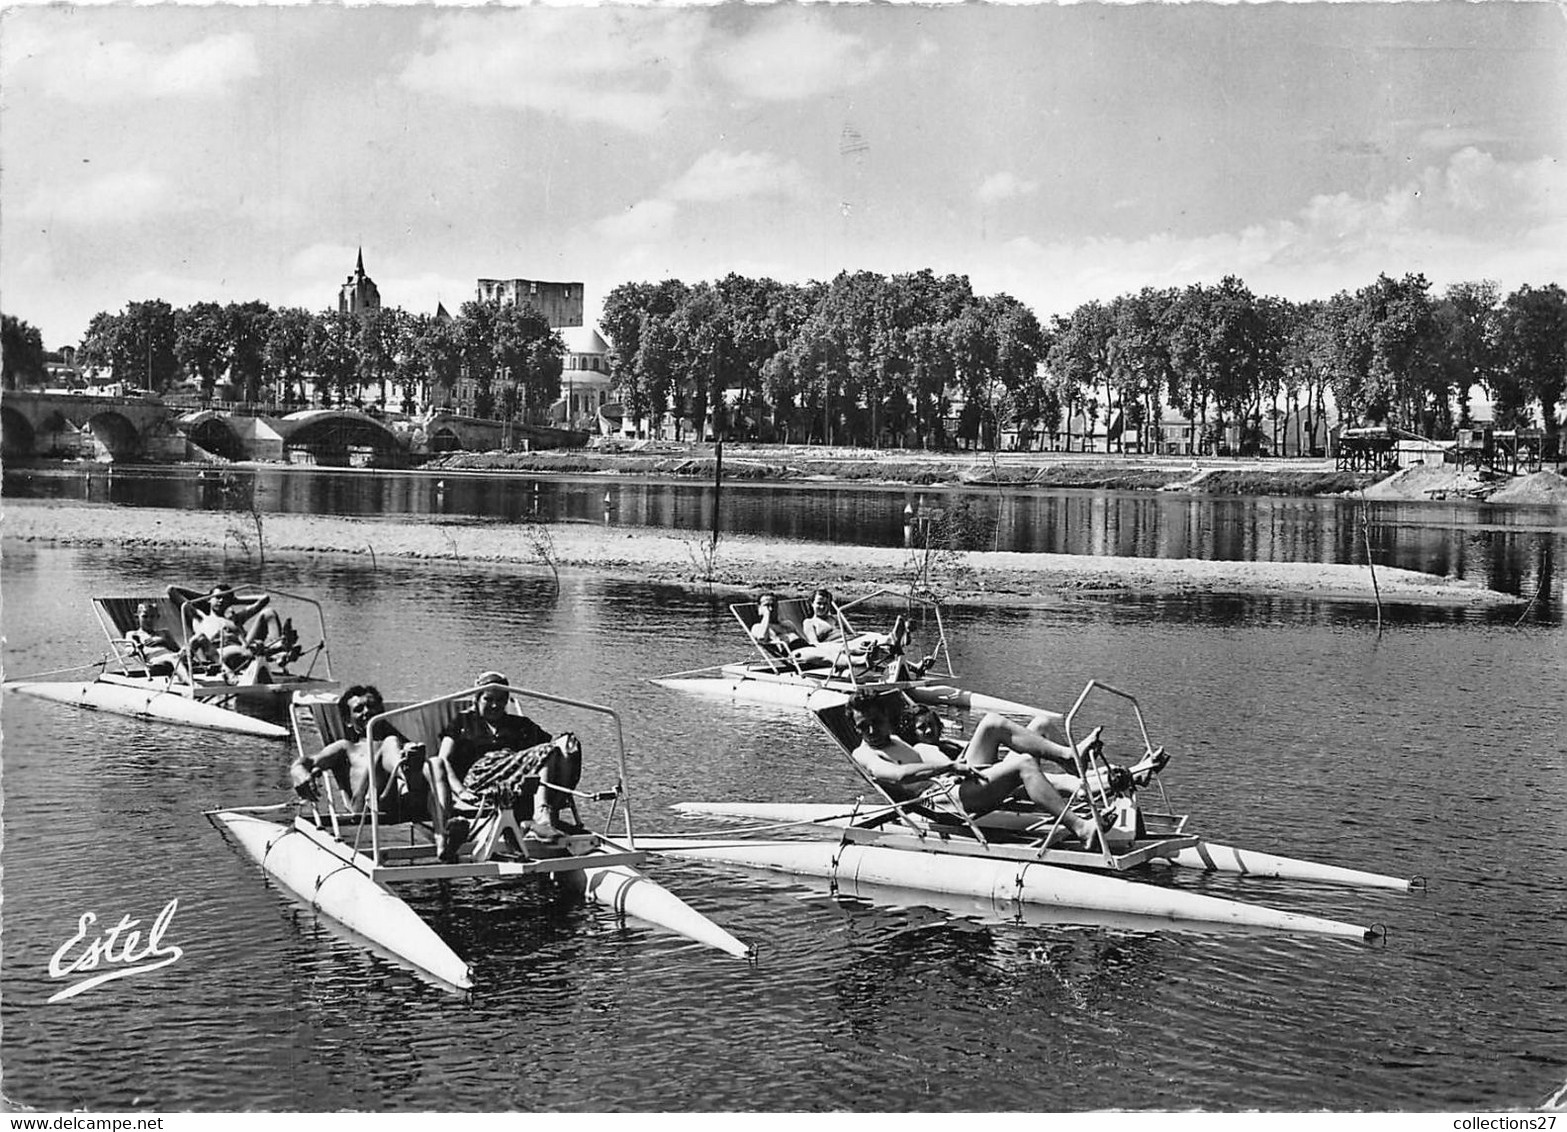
point(485, 728)
point(349, 760)
point(775, 635)
point(824, 638)
point(154, 645)
point(922, 729)
point(960, 786)
point(218, 634)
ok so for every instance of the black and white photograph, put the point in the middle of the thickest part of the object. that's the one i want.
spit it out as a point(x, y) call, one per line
point(860, 559)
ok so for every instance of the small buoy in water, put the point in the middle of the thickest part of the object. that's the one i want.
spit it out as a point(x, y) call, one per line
point(606, 501)
point(440, 485)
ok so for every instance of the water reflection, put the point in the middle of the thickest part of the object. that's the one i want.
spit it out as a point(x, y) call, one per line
point(1511, 549)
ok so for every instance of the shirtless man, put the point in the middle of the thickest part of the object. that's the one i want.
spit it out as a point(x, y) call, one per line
point(977, 782)
point(218, 632)
point(775, 636)
point(350, 760)
point(825, 638)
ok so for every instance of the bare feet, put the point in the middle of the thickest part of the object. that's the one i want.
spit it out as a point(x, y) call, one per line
point(1092, 834)
point(1152, 764)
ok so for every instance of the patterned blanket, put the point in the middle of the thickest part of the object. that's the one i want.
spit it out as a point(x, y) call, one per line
point(505, 777)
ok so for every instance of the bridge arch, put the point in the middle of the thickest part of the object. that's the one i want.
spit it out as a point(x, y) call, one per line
point(340, 437)
point(112, 435)
point(214, 432)
point(16, 434)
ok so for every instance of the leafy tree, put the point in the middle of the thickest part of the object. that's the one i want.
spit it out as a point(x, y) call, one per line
point(201, 343)
point(248, 324)
point(636, 320)
point(528, 355)
point(1533, 335)
point(137, 345)
point(1079, 360)
point(380, 341)
point(438, 356)
point(333, 353)
point(1466, 347)
point(1402, 380)
point(286, 358)
point(21, 353)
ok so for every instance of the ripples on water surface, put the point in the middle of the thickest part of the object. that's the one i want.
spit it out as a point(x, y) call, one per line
point(1434, 750)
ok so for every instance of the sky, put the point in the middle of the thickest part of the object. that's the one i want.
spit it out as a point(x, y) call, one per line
point(1058, 154)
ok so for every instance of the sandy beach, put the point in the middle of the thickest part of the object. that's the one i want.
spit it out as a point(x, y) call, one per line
point(741, 563)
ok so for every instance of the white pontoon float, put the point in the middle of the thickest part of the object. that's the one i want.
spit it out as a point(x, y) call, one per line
point(345, 865)
point(193, 692)
point(1014, 855)
point(790, 678)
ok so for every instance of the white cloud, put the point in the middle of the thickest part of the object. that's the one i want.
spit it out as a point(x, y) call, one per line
point(1473, 218)
point(325, 261)
point(79, 67)
point(794, 54)
point(720, 175)
point(179, 290)
point(1003, 186)
point(714, 177)
point(118, 198)
point(621, 67)
point(643, 221)
point(419, 293)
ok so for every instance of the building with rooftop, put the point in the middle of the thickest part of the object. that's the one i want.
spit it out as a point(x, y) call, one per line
point(584, 379)
point(358, 294)
point(559, 303)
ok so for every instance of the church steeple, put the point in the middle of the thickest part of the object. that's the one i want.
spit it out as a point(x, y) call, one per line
point(359, 293)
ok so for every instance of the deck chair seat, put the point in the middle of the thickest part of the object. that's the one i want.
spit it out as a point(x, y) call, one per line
point(317, 723)
point(118, 615)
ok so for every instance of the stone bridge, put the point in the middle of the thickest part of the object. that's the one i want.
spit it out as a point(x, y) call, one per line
point(333, 437)
point(87, 425)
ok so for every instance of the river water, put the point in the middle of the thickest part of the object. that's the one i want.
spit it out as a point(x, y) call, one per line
point(1514, 549)
point(1433, 749)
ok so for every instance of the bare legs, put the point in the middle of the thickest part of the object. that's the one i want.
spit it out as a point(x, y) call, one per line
point(995, 730)
point(1021, 768)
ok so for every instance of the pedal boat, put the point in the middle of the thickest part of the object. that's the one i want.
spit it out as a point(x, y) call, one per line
point(347, 865)
point(253, 701)
point(791, 680)
point(1017, 855)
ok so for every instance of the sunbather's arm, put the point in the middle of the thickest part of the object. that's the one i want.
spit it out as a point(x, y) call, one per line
point(303, 770)
point(884, 770)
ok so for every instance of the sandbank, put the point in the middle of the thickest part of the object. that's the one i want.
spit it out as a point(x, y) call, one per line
point(742, 562)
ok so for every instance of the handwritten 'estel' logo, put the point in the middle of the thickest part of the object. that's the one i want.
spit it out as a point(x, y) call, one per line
point(117, 945)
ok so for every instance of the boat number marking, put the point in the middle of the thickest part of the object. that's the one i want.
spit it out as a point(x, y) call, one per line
point(119, 944)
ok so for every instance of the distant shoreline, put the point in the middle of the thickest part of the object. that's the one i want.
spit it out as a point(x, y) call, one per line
point(804, 465)
point(744, 563)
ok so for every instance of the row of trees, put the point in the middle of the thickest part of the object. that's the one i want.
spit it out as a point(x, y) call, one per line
point(851, 361)
point(510, 355)
point(1389, 353)
point(868, 357)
